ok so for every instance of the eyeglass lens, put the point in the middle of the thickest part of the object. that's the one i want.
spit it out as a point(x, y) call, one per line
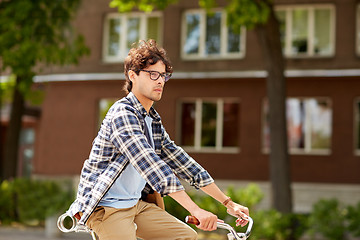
point(154, 75)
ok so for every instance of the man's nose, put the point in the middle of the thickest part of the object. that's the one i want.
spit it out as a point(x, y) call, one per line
point(161, 79)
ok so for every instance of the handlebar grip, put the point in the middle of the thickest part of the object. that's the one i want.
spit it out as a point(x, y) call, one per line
point(192, 220)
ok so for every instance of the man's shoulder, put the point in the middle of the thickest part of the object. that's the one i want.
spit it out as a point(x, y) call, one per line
point(123, 106)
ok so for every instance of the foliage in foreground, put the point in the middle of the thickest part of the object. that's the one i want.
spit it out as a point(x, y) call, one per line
point(30, 201)
point(328, 217)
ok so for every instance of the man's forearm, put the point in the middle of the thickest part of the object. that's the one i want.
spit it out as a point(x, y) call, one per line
point(184, 200)
point(214, 191)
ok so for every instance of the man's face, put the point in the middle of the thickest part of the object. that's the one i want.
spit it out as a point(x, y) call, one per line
point(144, 88)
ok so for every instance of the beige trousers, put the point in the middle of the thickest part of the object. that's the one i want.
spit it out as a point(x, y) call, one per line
point(151, 222)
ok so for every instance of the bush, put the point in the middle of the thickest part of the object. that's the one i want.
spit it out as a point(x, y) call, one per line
point(268, 224)
point(353, 219)
point(249, 196)
point(7, 206)
point(273, 225)
point(31, 201)
point(328, 219)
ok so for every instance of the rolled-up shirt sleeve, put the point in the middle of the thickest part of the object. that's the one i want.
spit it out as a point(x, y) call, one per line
point(127, 135)
point(184, 165)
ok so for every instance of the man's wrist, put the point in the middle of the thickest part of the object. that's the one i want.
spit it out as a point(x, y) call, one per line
point(226, 202)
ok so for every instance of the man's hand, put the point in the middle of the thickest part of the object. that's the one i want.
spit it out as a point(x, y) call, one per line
point(238, 211)
point(208, 221)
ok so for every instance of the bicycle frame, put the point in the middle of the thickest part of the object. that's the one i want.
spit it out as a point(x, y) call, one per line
point(233, 235)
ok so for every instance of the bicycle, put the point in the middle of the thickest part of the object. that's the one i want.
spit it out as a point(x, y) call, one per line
point(76, 227)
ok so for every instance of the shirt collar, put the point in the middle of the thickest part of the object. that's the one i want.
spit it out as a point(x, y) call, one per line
point(137, 105)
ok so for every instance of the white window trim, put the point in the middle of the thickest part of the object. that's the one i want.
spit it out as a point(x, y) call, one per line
point(198, 125)
point(122, 44)
point(357, 41)
point(356, 126)
point(224, 33)
point(297, 151)
point(288, 29)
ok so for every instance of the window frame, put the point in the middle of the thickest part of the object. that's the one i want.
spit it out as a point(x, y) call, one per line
point(311, 26)
point(143, 17)
point(26, 163)
point(307, 150)
point(201, 55)
point(197, 148)
point(357, 34)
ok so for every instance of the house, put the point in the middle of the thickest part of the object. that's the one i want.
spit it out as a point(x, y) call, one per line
point(215, 104)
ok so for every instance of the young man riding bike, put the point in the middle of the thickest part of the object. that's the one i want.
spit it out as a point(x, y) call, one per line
point(133, 156)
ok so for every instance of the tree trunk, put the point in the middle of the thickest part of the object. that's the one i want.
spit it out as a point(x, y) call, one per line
point(269, 37)
point(1, 135)
point(13, 134)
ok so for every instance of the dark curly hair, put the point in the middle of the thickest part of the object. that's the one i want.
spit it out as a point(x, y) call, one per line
point(142, 55)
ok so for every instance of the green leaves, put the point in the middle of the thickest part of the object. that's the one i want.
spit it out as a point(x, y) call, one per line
point(248, 13)
point(142, 5)
point(7, 206)
point(249, 196)
point(31, 201)
point(33, 32)
point(207, 4)
point(334, 220)
point(327, 218)
point(6, 89)
point(353, 219)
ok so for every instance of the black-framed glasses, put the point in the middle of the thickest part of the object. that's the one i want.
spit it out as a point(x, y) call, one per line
point(154, 75)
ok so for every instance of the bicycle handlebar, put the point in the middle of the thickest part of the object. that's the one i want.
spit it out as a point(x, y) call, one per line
point(233, 234)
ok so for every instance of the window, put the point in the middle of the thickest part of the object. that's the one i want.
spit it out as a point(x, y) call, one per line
point(122, 30)
point(358, 29)
point(309, 125)
point(357, 126)
point(209, 125)
point(26, 152)
point(207, 35)
point(307, 31)
point(104, 106)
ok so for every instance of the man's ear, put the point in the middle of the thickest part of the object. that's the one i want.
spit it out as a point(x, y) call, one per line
point(131, 74)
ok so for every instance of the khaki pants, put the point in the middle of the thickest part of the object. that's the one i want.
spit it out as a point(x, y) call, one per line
point(152, 223)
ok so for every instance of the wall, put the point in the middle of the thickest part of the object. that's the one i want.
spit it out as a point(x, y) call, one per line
point(68, 126)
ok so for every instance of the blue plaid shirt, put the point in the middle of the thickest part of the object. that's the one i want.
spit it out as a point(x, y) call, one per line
point(121, 139)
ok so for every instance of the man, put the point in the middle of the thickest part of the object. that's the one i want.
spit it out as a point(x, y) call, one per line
point(133, 155)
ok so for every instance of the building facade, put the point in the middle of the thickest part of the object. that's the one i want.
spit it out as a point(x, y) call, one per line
point(215, 105)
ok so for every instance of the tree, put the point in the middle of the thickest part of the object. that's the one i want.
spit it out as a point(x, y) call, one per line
point(33, 33)
point(260, 16)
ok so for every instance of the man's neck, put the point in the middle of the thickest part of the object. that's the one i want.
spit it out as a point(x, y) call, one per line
point(145, 102)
